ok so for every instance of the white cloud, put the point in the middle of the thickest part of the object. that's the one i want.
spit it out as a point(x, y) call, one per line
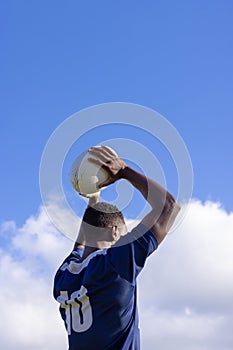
point(28, 260)
point(187, 286)
point(185, 290)
point(28, 320)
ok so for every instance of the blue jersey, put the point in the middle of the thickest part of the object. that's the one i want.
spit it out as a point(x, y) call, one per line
point(97, 296)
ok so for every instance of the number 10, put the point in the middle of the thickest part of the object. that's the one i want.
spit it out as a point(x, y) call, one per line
point(78, 310)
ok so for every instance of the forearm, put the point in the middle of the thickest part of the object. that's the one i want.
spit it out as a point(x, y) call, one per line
point(94, 199)
point(153, 192)
point(80, 241)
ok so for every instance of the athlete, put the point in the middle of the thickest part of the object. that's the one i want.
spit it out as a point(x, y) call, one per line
point(96, 284)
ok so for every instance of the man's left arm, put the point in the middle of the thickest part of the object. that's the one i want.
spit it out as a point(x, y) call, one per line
point(93, 199)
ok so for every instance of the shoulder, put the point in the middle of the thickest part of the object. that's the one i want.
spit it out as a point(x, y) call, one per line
point(129, 254)
point(140, 235)
point(75, 256)
point(77, 252)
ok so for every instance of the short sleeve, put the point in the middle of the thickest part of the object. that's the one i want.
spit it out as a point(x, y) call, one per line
point(129, 256)
point(76, 253)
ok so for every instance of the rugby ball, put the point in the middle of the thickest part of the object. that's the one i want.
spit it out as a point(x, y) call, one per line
point(85, 176)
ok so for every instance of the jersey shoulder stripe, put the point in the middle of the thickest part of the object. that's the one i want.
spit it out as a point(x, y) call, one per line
point(76, 267)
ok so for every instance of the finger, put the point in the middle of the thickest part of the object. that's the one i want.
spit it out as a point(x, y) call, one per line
point(99, 162)
point(99, 154)
point(98, 149)
point(86, 195)
point(103, 150)
point(83, 194)
point(108, 150)
point(105, 183)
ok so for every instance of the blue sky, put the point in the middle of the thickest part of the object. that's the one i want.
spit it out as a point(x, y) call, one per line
point(171, 56)
point(58, 58)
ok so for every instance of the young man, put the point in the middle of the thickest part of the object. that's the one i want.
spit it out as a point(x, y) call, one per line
point(96, 284)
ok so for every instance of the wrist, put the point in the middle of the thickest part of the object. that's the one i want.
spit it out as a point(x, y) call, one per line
point(126, 172)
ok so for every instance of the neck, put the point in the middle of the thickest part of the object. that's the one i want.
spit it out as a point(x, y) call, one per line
point(88, 250)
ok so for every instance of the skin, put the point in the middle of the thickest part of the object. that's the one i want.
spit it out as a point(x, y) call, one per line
point(93, 199)
point(164, 207)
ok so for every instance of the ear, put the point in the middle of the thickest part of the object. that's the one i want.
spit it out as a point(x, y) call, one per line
point(115, 233)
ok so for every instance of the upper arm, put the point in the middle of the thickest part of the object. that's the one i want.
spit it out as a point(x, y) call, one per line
point(161, 224)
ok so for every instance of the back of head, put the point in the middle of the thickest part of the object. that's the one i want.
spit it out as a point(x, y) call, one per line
point(103, 214)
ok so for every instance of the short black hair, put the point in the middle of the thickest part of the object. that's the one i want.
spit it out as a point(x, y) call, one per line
point(103, 214)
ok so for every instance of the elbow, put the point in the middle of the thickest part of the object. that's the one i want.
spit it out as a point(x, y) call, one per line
point(171, 210)
point(166, 220)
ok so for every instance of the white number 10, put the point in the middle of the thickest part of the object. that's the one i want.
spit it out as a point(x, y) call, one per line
point(78, 310)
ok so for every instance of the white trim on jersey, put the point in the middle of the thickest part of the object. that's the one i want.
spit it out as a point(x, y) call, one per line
point(75, 267)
